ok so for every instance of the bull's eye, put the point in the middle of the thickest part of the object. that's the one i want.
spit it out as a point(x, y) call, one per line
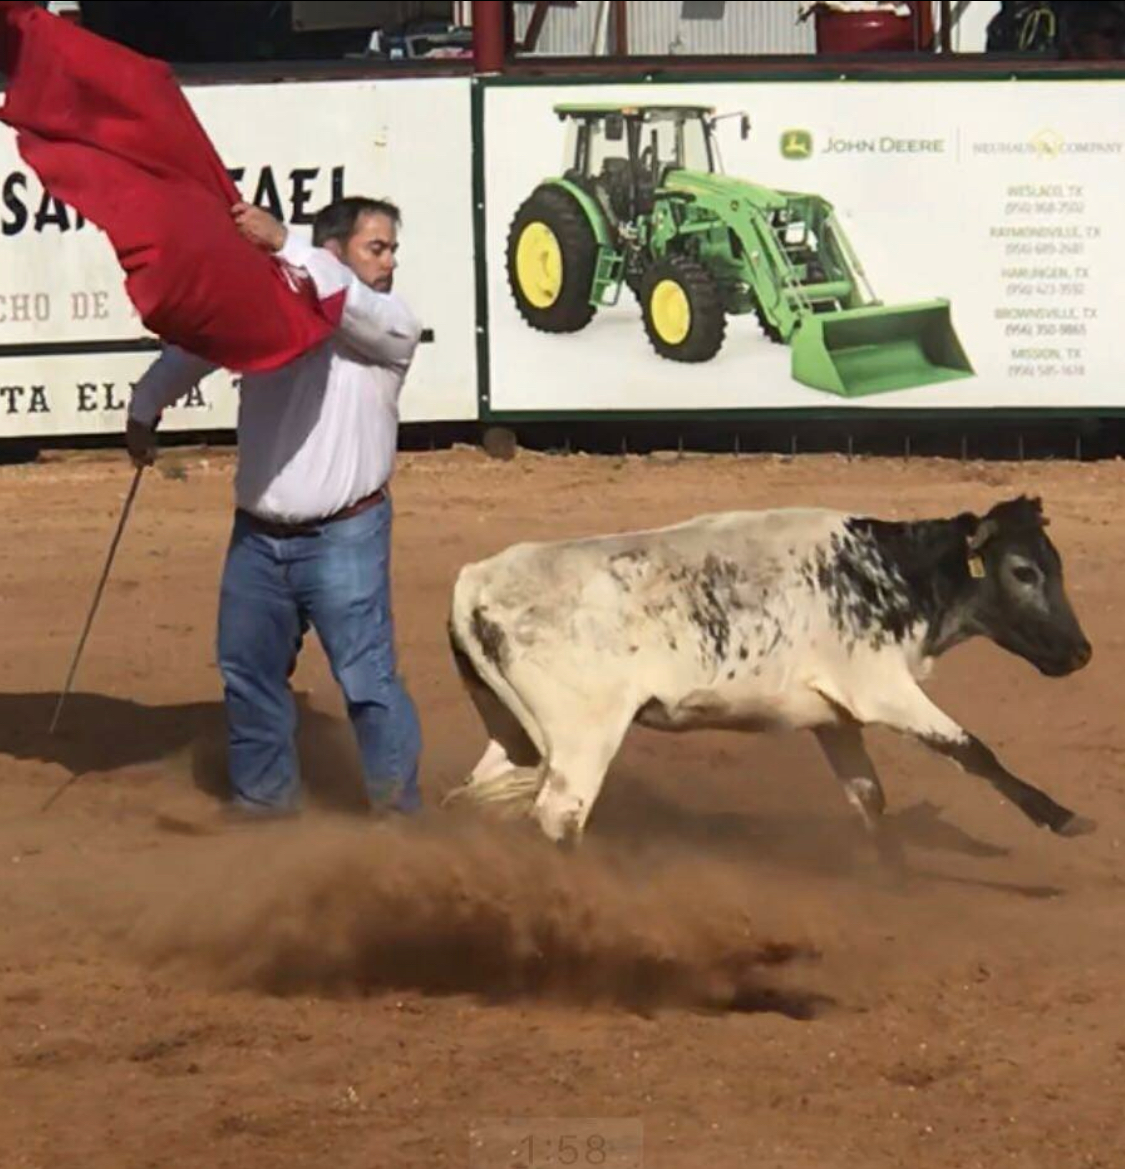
point(1025, 575)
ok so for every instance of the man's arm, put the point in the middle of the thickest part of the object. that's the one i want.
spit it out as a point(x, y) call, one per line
point(379, 325)
point(169, 377)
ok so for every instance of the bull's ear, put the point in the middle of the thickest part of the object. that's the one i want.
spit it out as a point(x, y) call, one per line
point(985, 530)
point(1035, 502)
point(975, 542)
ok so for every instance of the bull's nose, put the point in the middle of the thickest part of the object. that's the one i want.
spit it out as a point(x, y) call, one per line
point(1082, 655)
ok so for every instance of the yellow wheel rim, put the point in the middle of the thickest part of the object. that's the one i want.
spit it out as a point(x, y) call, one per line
point(671, 312)
point(539, 265)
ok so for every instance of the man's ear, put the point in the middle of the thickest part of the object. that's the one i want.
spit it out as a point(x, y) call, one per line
point(333, 245)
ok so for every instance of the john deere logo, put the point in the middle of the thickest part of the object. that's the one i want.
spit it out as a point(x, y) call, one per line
point(796, 144)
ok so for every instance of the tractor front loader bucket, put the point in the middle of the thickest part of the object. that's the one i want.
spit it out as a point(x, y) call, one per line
point(877, 348)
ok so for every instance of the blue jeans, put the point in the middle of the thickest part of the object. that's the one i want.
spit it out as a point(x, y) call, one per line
point(337, 579)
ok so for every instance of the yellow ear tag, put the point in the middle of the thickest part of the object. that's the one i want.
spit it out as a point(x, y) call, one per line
point(976, 568)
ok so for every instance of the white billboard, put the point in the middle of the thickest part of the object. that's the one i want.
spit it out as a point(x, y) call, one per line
point(69, 337)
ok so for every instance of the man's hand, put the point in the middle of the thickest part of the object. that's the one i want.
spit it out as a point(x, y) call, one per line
point(141, 441)
point(259, 226)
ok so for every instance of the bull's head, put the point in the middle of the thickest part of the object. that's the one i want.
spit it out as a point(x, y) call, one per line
point(1018, 596)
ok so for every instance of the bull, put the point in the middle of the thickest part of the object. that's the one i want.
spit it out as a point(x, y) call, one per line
point(773, 620)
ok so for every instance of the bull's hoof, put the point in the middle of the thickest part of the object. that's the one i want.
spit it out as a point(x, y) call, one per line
point(1077, 826)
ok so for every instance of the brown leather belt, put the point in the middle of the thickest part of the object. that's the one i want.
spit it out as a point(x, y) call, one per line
point(281, 531)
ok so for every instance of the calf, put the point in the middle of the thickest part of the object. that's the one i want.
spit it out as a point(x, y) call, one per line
point(786, 619)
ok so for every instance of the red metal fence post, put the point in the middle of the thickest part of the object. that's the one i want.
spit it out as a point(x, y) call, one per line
point(489, 36)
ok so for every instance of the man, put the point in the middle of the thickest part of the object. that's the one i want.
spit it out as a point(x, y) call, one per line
point(311, 538)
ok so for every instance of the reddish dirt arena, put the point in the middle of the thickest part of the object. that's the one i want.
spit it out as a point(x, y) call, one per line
point(720, 962)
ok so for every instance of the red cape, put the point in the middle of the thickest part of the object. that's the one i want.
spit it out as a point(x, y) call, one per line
point(109, 132)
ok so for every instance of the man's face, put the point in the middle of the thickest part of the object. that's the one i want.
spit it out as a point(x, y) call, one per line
point(370, 253)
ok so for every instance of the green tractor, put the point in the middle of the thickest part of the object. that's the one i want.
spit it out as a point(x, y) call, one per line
point(643, 202)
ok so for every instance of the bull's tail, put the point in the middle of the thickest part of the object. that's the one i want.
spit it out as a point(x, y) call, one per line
point(506, 716)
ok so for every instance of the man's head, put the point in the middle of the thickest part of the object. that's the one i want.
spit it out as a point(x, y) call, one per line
point(363, 233)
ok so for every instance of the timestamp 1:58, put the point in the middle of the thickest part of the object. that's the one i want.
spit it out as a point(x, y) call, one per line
point(534, 1152)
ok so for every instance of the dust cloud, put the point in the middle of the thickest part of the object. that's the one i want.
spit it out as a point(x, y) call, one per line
point(446, 906)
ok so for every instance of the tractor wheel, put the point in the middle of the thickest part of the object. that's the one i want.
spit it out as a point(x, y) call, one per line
point(682, 310)
point(552, 254)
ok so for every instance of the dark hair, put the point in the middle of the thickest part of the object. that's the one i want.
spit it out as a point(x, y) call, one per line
point(338, 220)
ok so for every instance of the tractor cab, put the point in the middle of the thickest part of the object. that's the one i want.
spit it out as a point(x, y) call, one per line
point(621, 155)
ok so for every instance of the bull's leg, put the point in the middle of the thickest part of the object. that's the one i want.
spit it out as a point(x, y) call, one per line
point(912, 713)
point(843, 745)
point(847, 755)
point(577, 768)
point(494, 762)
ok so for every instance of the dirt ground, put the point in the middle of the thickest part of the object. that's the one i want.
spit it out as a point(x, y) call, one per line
point(720, 963)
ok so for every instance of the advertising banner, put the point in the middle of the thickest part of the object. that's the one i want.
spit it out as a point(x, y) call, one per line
point(805, 246)
point(70, 342)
